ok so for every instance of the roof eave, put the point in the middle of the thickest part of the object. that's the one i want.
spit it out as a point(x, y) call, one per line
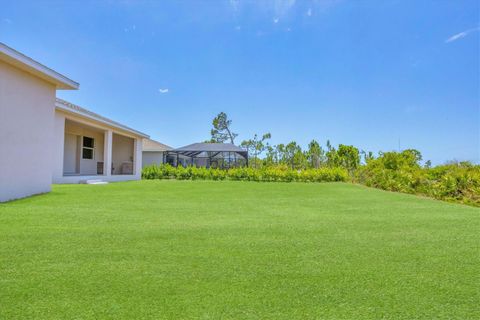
point(27, 64)
point(65, 108)
point(151, 150)
point(194, 147)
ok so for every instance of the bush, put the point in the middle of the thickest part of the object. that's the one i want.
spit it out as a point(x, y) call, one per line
point(266, 174)
point(459, 182)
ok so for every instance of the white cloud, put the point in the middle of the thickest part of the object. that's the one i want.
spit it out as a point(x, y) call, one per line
point(279, 11)
point(163, 90)
point(235, 4)
point(457, 36)
point(131, 28)
point(281, 7)
point(461, 35)
point(412, 109)
point(275, 8)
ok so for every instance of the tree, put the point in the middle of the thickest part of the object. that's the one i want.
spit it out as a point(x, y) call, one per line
point(256, 146)
point(412, 156)
point(331, 154)
point(428, 164)
point(271, 157)
point(280, 151)
point(221, 131)
point(294, 155)
point(367, 156)
point(315, 154)
point(409, 158)
point(348, 157)
point(249, 146)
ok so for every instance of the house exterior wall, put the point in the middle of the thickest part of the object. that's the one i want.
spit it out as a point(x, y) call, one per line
point(58, 145)
point(27, 106)
point(151, 157)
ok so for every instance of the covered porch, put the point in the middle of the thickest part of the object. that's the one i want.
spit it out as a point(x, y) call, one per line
point(87, 154)
point(90, 150)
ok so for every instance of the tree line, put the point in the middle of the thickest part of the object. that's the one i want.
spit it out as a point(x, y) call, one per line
point(291, 154)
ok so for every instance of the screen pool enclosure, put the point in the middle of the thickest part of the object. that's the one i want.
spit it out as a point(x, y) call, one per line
point(209, 155)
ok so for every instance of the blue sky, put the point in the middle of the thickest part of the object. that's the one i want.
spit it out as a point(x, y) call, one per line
point(367, 73)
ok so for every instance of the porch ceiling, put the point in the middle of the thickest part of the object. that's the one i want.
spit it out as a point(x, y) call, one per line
point(75, 124)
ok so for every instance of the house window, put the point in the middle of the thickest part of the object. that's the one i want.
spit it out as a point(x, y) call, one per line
point(88, 148)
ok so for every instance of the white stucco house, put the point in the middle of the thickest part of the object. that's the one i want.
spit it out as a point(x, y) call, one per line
point(45, 140)
point(154, 152)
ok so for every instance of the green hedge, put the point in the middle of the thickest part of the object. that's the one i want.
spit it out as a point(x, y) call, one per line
point(272, 174)
point(455, 182)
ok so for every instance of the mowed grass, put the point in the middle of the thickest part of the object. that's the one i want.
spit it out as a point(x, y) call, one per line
point(237, 250)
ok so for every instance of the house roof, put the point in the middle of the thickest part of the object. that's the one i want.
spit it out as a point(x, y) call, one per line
point(73, 108)
point(152, 146)
point(211, 147)
point(35, 68)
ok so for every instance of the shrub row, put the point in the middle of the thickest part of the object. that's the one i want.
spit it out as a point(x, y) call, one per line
point(453, 182)
point(271, 174)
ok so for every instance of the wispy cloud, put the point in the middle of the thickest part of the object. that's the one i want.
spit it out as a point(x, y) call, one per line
point(282, 7)
point(132, 28)
point(163, 90)
point(280, 10)
point(323, 5)
point(7, 21)
point(461, 35)
point(275, 8)
point(413, 109)
point(280, 13)
point(235, 4)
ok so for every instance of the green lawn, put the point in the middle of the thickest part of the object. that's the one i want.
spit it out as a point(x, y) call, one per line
point(237, 250)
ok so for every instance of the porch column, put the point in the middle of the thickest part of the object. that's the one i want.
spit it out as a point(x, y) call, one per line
point(137, 157)
point(107, 153)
